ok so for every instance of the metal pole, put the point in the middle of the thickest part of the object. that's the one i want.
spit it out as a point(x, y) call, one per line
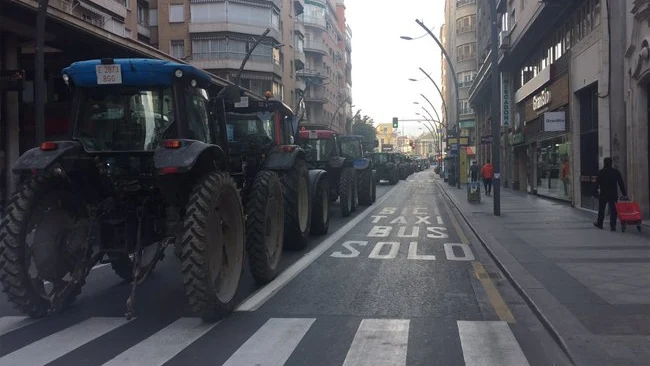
point(39, 62)
point(439, 124)
point(496, 112)
point(249, 53)
point(454, 78)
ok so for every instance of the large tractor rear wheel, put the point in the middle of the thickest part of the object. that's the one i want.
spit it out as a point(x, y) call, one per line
point(265, 226)
point(213, 245)
point(346, 191)
point(44, 238)
point(297, 222)
point(320, 219)
point(365, 187)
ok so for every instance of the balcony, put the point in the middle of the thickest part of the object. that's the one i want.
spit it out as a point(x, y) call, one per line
point(232, 61)
point(313, 72)
point(465, 112)
point(300, 28)
point(235, 28)
point(299, 57)
point(467, 29)
point(316, 47)
point(314, 22)
point(315, 97)
point(299, 5)
point(144, 30)
point(112, 6)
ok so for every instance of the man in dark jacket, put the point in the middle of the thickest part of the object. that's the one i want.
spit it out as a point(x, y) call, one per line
point(609, 180)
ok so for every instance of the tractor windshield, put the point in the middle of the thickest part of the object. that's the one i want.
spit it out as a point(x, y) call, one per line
point(317, 150)
point(250, 131)
point(351, 149)
point(118, 119)
point(381, 158)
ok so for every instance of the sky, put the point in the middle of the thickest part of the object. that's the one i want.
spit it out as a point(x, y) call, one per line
point(382, 63)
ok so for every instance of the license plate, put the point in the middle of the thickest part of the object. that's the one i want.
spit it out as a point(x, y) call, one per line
point(313, 135)
point(108, 74)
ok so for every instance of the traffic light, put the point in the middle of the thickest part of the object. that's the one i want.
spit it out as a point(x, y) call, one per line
point(395, 122)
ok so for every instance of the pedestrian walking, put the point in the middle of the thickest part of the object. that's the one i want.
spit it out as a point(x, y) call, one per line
point(609, 180)
point(473, 171)
point(565, 176)
point(487, 172)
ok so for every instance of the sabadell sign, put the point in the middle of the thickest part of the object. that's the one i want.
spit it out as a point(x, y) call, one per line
point(541, 100)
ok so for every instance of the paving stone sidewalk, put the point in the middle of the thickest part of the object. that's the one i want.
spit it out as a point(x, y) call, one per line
point(591, 285)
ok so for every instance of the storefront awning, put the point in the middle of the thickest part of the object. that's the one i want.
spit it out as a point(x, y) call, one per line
point(470, 151)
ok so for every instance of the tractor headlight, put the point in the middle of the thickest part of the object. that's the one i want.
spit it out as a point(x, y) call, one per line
point(179, 73)
point(66, 79)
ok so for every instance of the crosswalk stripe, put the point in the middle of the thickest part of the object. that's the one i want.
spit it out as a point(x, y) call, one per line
point(488, 343)
point(379, 342)
point(273, 343)
point(58, 344)
point(164, 344)
point(11, 323)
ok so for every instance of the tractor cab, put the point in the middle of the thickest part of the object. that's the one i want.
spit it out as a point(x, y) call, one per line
point(321, 146)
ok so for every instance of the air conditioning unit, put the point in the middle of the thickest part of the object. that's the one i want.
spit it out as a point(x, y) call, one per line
point(504, 39)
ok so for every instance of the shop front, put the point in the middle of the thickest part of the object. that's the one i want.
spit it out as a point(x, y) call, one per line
point(546, 159)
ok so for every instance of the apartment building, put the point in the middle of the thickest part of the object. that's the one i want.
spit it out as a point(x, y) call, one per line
point(459, 39)
point(327, 72)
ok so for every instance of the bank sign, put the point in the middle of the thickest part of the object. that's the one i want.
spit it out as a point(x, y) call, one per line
point(505, 99)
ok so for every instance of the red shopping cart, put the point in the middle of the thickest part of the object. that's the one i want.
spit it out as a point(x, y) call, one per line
point(629, 213)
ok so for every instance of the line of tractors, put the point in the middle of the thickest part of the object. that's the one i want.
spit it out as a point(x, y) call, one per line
point(160, 155)
point(396, 166)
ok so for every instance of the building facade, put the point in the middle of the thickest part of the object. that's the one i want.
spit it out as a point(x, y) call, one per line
point(460, 41)
point(560, 66)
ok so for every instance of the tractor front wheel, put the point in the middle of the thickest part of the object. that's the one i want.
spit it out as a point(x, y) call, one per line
point(297, 205)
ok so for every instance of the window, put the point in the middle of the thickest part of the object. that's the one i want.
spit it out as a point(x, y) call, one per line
point(176, 13)
point(208, 12)
point(460, 3)
point(231, 49)
point(465, 107)
point(466, 78)
point(249, 131)
point(466, 24)
point(177, 49)
point(125, 119)
point(466, 51)
point(275, 19)
point(153, 17)
point(143, 14)
point(196, 102)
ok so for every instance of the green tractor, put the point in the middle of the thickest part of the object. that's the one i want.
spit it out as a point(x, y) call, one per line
point(385, 166)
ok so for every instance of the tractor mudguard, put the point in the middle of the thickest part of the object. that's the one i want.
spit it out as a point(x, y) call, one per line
point(315, 176)
point(361, 164)
point(283, 157)
point(37, 159)
point(186, 156)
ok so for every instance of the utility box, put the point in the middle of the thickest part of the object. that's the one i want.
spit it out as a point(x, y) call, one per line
point(474, 192)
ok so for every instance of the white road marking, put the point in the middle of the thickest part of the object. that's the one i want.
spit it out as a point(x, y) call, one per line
point(379, 342)
point(439, 220)
point(11, 323)
point(488, 343)
point(272, 344)
point(467, 252)
point(265, 293)
point(58, 344)
point(164, 344)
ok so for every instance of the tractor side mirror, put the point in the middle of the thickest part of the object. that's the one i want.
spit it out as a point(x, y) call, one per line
point(230, 93)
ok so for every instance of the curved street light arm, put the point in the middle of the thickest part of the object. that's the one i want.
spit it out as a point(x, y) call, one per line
point(434, 109)
point(249, 53)
point(433, 136)
point(442, 97)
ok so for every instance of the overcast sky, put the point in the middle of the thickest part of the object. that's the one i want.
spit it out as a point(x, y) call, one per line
point(382, 63)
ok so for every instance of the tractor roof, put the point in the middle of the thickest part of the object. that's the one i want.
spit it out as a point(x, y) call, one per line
point(317, 134)
point(135, 72)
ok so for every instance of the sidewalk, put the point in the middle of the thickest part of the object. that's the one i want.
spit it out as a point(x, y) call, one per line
point(592, 286)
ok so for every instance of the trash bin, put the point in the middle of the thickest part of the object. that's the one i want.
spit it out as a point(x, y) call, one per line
point(474, 192)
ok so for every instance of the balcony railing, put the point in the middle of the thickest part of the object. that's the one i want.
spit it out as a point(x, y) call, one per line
point(460, 3)
point(465, 111)
point(316, 46)
point(466, 29)
point(318, 71)
point(314, 21)
point(317, 97)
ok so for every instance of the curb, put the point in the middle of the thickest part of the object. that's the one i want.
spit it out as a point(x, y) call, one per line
point(520, 290)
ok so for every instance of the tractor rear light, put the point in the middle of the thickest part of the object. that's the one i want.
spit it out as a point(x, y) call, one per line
point(288, 148)
point(169, 170)
point(171, 144)
point(49, 146)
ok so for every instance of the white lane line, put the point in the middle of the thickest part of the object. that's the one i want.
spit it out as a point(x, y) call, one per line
point(490, 343)
point(272, 344)
point(58, 344)
point(164, 344)
point(11, 323)
point(257, 299)
point(439, 220)
point(379, 342)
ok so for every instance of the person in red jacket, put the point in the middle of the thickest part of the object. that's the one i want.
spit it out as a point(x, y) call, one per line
point(487, 172)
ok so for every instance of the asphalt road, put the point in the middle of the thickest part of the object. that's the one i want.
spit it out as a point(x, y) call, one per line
point(398, 283)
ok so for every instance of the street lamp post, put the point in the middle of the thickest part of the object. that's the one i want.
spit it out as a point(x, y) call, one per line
point(439, 124)
point(432, 134)
point(496, 120)
point(249, 53)
point(453, 71)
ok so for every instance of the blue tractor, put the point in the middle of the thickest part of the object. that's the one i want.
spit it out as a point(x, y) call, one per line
point(146, 165)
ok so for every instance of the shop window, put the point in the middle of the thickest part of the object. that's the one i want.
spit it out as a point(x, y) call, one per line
point(554, 168)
